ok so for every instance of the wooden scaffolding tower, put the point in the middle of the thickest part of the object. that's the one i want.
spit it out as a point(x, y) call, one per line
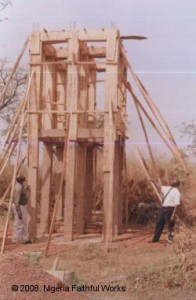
point(65, 83)
point(73, 74)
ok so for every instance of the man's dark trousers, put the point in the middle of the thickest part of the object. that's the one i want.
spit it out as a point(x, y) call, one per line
point(164, 217)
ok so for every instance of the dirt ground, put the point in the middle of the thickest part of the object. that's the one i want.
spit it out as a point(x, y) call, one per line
point(134, 269)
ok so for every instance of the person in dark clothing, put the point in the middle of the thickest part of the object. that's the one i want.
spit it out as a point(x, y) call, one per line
point(19, 207)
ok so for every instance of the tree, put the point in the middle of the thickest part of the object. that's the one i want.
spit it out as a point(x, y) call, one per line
point(3, 5)
point(188, 130)
point(14, 93)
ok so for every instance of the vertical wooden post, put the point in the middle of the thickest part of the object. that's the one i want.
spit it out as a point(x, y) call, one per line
point(33, 126)
point(92, 92)
point(120, 183)
point(89, 185)
point(61, 120)
point(112, 54)
point(72, 104)
point(46, 182)
point(48, 122)
point(81, 150)
point(80, 188)
point(58, 171)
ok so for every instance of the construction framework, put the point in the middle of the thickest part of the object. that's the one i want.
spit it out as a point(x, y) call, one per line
point(64, 84)
point(76, 102)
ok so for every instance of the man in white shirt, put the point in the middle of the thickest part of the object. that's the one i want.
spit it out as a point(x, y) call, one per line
point(171, 199)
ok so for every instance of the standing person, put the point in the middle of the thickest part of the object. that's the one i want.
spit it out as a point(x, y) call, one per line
point(170, 201)
point(19, 207)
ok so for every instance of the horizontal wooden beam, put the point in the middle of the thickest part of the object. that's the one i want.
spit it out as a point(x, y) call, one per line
point(92, 52)
point(92, 35)
point(83, 133)
point(96, 52)
point(54, 37)
point(86, 133)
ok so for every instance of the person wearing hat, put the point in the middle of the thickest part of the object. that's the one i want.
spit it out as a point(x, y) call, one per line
point(19, 207)
point(170, 201)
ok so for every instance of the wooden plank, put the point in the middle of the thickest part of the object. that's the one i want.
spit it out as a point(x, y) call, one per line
point(54, 37)
point(13, 184)
point(112, 45)
point(52, 133)
point(126, 187)
point(61, 53)
point(49, 94)
point(46, 183)
point(35, 43)
point(83, 133)
point(81, 154)
point(96, 52)
point(89, 185)
point(80, 188)
point(92, 93)
point(109, 156)
point(57, 201)
point(72, 104)
point(87, 133)
point(92, 35)
point(58, 188)
point(61, 98)
point(33, 142)
point(92, 52)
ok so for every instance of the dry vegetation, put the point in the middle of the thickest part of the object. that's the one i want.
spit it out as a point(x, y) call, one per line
point(149, 271)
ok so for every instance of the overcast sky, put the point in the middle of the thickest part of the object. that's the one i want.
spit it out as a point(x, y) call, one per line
point(166, 62)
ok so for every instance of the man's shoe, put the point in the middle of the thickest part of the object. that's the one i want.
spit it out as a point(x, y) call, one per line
point(154, 241)
point(170, 240)
point(27, 242)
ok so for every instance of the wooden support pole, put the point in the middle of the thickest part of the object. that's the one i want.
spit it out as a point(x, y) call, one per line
point(126, 203)
point(167, 143)
point(12, 129)
point(117, 207)
point(81, 197)
point(33, 141)
point(72, 104)
point(144, 166)
point(58, 171)
point(147, 142)
point(66, 142)
point(10, 139)
point(149, 100)
point(89, 185)
point(111, 101)
point(120, 150)
point(158, 116)
point(13, 184)
point(10, 185)
point(46, 183)
point(14, 70)
point(48, 122)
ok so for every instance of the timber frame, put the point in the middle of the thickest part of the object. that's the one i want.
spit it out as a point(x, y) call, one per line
point(65, 83)
point(64, 125)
